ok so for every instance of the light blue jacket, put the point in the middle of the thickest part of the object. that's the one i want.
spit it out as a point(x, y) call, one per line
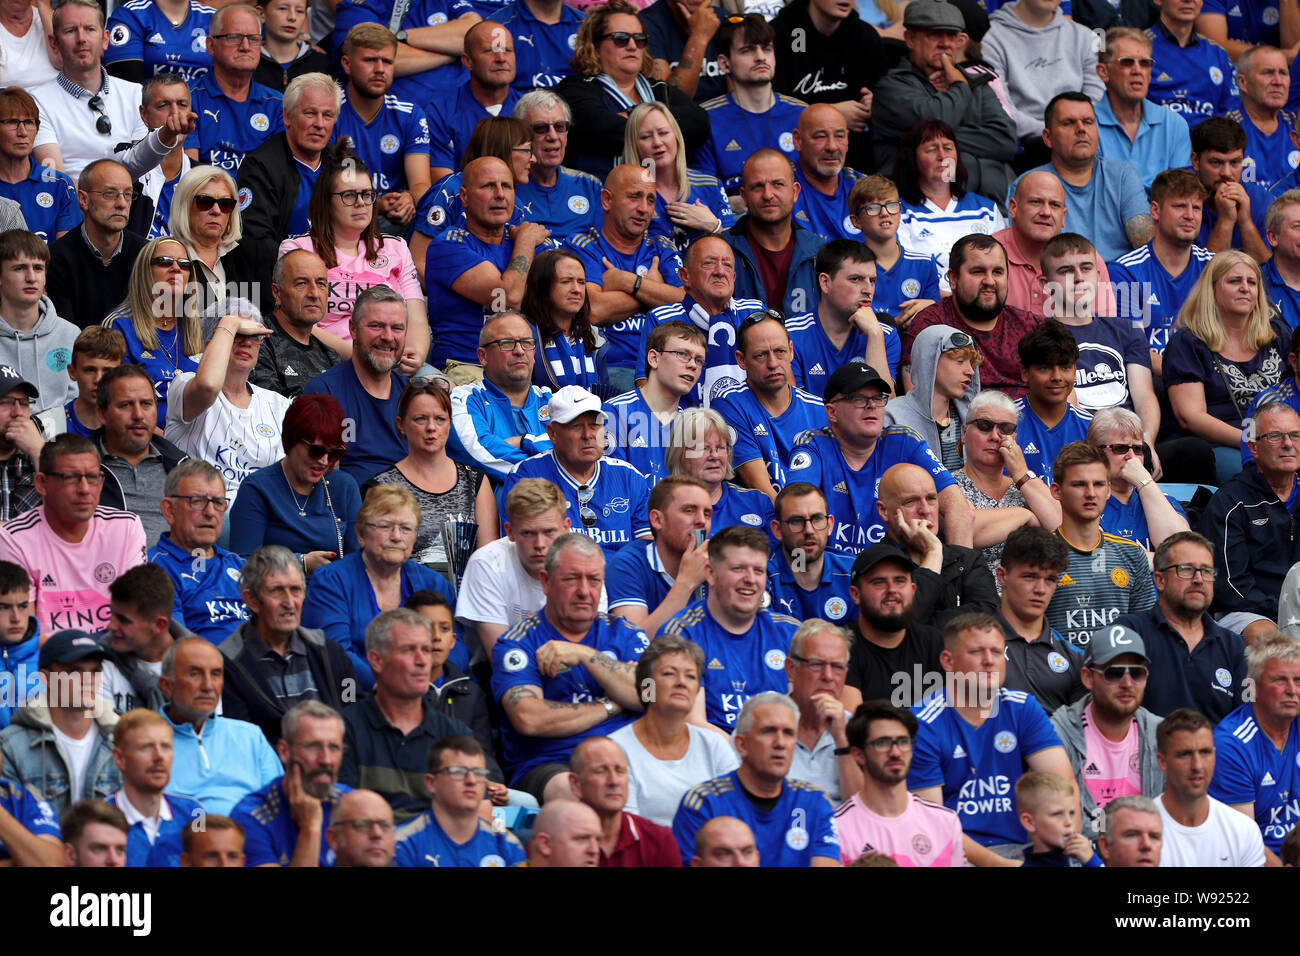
point(482, 418)
point(221, 764)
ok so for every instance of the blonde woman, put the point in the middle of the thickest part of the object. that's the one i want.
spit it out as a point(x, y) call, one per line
point(159, 317)
point(205, 216)
point(688, 203)
point(1224, 351)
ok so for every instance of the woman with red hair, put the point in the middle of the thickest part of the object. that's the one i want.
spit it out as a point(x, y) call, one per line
point(302, 501)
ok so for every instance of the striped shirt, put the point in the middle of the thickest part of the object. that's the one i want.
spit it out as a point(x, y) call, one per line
point(1100, 584)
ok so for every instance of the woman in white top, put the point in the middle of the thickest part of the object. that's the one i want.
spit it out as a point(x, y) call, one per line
point(345, 234)
point(666, 756)
point(216, 414)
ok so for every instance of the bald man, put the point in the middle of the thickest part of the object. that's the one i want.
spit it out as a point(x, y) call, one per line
point(725, 841)
point(565, 833)
point(477, 270)
point(361, 830)
point(598, 778)
point(949, 578)
point(1037, 215)
point(490, 59)
point(822, 140)
point(628, 272)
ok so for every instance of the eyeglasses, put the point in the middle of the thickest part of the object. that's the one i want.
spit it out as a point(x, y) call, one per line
point(316, 451)
point(15, 403)
point(206, 202)
point(539, 129)
point(199, 503)
point(71, 479)
point(863, 401)
point(817, 664)
point(384, 527)
point(1128, 62)
point(12, 123)
point(686, 358)
point(1119, 448)
point(883, 745)
point(458, 773)
point(876, 208)
point(113, 195)
point(362, 824)
point(585, 512)
point(522, 149)
point(1189, 571)
point(1114, 673)
point(103, 125)
point(239, 39)
point(509, 345)
point(796, 523)
point(623, 38)
point(166, 262)
point(1275, 438)
point(986, 425)
point(350, 197)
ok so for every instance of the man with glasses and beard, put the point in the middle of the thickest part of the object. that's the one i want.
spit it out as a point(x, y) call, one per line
point(805, 577)
point(1109, 736)
point(285, 822)
point(1195, 661)
point(883, 817)
point(977, 275)
point(608, 497)
point(851, 455)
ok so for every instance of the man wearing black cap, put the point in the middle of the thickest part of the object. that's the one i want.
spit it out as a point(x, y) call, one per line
point(930, 85)
point(848, 458)
point(61, 740)
point(893, 658)
point(1109, 736)
point(21, 441)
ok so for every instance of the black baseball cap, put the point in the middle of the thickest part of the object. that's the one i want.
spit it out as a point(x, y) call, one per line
point(11, 379)
point(847, 379)
point(875, 554)
point(68, 647)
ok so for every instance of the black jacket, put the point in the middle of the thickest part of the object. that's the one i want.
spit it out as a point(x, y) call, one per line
point(964, 584)
point(1100, 15)
point(83, 289)
point(596, 137)
point(269, 182)
point(463, 699)
point(112, 496)
point(247, 696)
point(144, 683)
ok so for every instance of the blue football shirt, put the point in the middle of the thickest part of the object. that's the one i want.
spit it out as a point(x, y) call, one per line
point(228, 129)
point(49, 200)
point(759, 435)
point(457, 320)
point(570, 206)
point(720, 368)
point(1248, 768)
point(829, 600)
point(816, 358)
point(1196, 80)
point(826, 215)
point(1042, 443)
point(139, 30)
point(542, 50)
point(399, 129)
point(422, 842)
point(1146, 294)
point(637, 435)
point(25, 804)
point(736, 134)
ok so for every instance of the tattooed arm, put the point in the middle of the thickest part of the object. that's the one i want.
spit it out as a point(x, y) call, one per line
point(617, 678)
point(533, 716)
point(501, 290)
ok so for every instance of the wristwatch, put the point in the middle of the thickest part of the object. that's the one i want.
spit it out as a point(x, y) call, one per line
point(842, 751)
point(1027, 476)
point(401, 36)
point(610, 708)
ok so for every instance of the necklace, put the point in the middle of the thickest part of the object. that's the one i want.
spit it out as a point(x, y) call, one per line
point(302, 508)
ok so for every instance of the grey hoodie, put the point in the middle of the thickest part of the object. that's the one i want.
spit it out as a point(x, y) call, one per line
point(42, 356)
point(1067, 721)
point(913, 409)
point(1037, 63)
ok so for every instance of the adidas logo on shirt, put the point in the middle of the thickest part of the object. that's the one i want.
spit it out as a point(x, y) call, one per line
point(1235, 11)
point(841, 487)
point(1268, 780)
point(716, 665)
point(638, 442)
point(1065, 580)
point(760, 430)
point(47, 581)
point(817, 370)
point(288, 370)
point(1031, 449)
point(1091, 770)
point(1164, 78)
point(157, 38)
point(958, 752)
point(732, 146)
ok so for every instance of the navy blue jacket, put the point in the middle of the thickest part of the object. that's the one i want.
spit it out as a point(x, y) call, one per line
point(803, 269)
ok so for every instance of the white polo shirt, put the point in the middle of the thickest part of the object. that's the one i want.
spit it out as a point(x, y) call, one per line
point(25, 60)
point(67, 121)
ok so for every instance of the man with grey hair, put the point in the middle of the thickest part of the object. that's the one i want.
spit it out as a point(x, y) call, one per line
point(791, 820)
point(285, 822)
point(565, 673)
point(1257, 764)
point(497, 422)
point(216, 760)
point(88, 115)
point(817, 664)
point(565, 201)
point(1133, 833)
point(272, 662)
point(389, 733)
point(204, 574)
point(271, 176)
point(1249, 520)
point(368, 385)
point(292, 355)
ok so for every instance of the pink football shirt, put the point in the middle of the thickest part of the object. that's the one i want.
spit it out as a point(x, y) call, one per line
point(925, 834)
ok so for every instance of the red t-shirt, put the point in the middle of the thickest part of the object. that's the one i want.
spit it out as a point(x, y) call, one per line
point(774, 270)
point(1001, 366)
point(643, 843)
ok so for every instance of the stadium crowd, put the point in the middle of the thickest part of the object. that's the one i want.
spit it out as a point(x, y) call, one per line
point(439, 433)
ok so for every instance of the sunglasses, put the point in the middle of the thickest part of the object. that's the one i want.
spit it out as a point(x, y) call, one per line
point(761, 316)
point(206, 202)
point(560, 126)
point(166, 262)
point(585, 511)
point(1119, 448)
point(103, 125)
point(317, 452)
point(1114, 673)
point(986, 425)
point(623, 38)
